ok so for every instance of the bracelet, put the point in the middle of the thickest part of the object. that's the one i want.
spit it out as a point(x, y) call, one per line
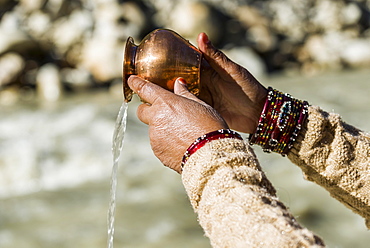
point(202, 140)
point(280, 122)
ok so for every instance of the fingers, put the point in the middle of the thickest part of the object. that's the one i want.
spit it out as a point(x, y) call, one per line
point(150, 93)
point(143, 113)
point(147, 91)
point(219, 61)
point(182, 90)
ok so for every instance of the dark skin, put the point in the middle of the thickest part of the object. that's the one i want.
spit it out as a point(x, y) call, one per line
point(231, 89)
point(230, 97)
point(175, 119)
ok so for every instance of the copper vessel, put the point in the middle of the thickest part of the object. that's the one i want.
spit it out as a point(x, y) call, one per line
point(161, 57)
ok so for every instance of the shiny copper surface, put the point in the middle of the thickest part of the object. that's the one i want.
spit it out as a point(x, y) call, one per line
point(161, 57)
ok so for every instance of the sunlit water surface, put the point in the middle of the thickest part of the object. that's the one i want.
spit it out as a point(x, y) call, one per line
point(56, 168)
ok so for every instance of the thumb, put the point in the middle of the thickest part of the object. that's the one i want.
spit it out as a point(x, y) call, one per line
point(181, 89)
point(224, 66)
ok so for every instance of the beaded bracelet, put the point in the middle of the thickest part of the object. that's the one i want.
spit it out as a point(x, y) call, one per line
point(202, 140)
point(280, 122)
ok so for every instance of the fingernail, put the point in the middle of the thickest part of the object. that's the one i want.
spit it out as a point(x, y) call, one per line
point(206, 39)
point(181, 81)
point(131, 82)
point(134, 82)
point(131, 78)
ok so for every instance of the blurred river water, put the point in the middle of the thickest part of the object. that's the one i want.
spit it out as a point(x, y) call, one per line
point(56, 162)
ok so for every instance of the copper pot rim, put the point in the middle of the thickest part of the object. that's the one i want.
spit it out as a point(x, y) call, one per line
point(128, 64)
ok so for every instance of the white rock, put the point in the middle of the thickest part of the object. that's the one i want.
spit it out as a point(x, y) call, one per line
point(76, 78)
point(12, 37)
point(70, 30)
point(106, 18)
point(191, 18)
point(325, 15)
point(14, 40)
point(262, 37)
point(38, 24)
point(113, 23)
point(31, 5)
point(103, 59)
point(350, 14)
point(9, 96)
point(247, 58)
point(54, 6)
point(135, 19)
point(10, 21)
point(49, 86)
point(285, 15)
point(325, 49)
point(11, 65)
point(357, 53)
point(250, 16)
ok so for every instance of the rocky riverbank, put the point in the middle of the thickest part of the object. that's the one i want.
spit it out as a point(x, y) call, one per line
point(49, 47)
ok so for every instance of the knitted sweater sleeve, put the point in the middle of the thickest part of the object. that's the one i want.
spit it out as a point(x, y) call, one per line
point(336, 156)
point(235, 202)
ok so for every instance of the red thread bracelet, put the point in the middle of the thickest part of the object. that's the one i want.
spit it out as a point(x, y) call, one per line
point(204, 139)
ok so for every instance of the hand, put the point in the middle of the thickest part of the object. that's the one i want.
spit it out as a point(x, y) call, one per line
point(230, 89)
point(175, 120)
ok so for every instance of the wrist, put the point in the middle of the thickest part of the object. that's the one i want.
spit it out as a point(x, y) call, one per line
point(260, 100)
point(204, 139)
point(279, 123)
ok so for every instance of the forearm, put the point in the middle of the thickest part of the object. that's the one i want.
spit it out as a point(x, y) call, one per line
point(336, 156)
point(236, 203)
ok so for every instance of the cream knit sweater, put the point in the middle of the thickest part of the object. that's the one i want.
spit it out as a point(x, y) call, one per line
point(237, 205)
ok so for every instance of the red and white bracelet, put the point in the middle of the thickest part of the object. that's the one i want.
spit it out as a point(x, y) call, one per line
point(278, 127)
point(280, 122)
point(204, 139)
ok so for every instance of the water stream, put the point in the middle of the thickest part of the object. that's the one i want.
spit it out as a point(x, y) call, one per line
point(117, 144)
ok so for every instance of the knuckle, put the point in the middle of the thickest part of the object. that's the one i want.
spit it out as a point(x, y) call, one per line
point(140, 85)
point(141, 114)
point(143, 89)
point(220, 56)
point(217, 54)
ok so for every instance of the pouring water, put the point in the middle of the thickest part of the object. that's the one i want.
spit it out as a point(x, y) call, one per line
point(117, 144)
